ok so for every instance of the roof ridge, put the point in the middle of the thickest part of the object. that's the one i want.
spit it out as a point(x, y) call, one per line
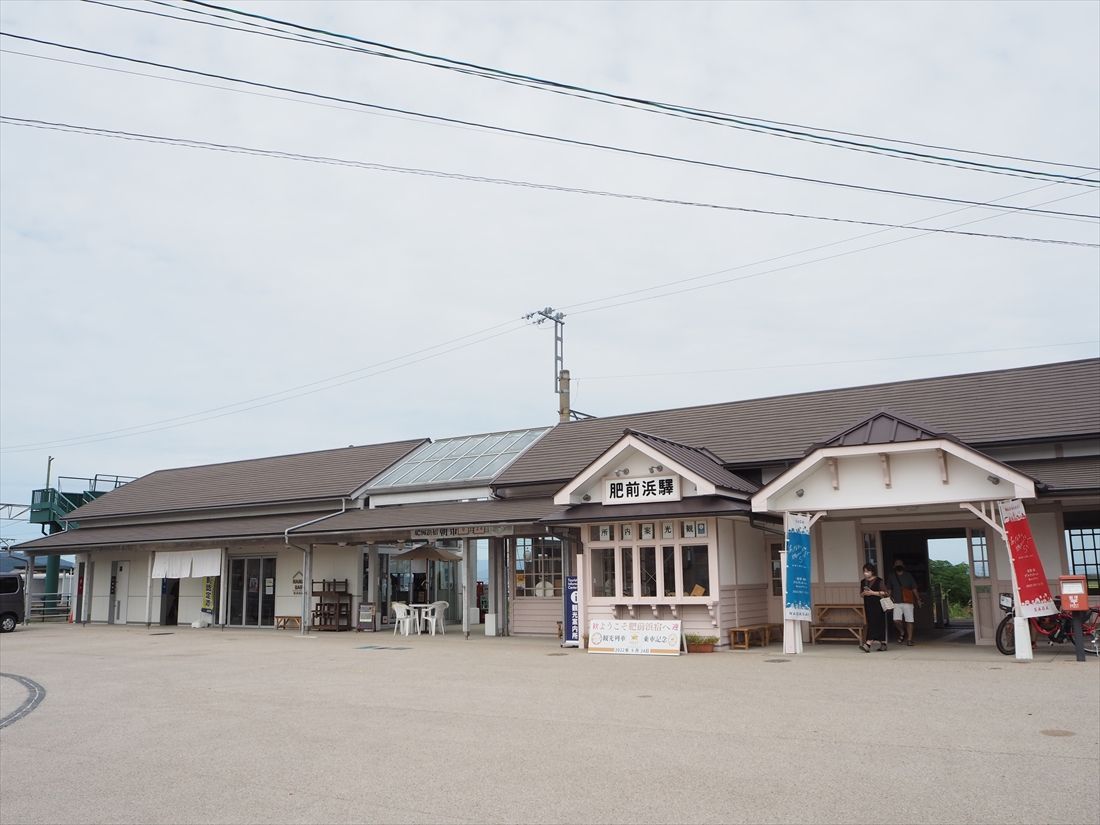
point(908, 381)
point(281, 455)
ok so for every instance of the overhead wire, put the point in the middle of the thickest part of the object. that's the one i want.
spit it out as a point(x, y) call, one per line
point(778, 128)
point(552, 138)
point(281, 34)
point(280, 396)
point(373, 166)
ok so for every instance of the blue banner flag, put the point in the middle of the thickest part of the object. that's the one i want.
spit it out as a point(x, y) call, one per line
point(796, 604)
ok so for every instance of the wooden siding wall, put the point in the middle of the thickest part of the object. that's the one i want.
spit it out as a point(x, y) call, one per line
point(739, 606)
point(536, 617)
point(835, 593)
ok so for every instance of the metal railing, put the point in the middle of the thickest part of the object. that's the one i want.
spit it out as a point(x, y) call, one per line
point(49, 607)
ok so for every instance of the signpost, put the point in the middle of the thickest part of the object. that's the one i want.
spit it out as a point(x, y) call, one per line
point(571, 626)
point(366, 618)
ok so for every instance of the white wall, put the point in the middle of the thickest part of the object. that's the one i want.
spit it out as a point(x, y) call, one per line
point(840, 551)
point(727, 548)
point(752, 559)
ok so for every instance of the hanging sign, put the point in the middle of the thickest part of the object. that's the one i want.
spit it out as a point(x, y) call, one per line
point(1033, 596)
point(647, 638)
point(571, 627)
point(651, 488)
point(208, 594)
point(796, 604)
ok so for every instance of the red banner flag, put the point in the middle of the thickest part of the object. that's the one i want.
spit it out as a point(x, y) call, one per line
point(1033, 592)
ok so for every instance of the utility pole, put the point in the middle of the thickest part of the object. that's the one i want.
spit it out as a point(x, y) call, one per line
point(561, 375)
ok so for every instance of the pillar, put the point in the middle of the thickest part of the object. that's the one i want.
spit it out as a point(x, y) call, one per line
point(491, 623)
point(28, 587)
point(89, 566)
point(149, 592)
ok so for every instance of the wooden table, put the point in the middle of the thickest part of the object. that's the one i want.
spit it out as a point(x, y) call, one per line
point(282, 622)
point(838, 622)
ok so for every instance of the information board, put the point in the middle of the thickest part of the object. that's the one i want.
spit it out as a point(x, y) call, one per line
point(641, 637)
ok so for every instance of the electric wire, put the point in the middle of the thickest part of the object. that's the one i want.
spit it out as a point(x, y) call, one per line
point(778, 128)
point(380, 167)
point(818, 247)
point(278, 397)
point(544, 136)
point(270, 32)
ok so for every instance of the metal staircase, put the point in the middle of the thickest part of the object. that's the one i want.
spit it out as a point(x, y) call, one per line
point(50, 505)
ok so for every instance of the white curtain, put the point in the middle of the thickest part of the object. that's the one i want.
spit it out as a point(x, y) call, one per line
point(206, 563)
point(187, 564)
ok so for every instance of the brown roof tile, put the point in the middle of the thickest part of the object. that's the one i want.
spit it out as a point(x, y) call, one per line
point(302, 476)
point(1041, 402)
point(436, 514)
point(1063, 474)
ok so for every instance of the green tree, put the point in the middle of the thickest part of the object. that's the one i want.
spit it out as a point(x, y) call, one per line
point(953, 578)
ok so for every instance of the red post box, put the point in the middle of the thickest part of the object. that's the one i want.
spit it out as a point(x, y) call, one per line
point(1074, 591)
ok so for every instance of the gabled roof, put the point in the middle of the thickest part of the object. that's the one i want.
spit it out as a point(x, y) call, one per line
point(700, 461)
point(1044, 402)
point(325, 474)
point(883, 427)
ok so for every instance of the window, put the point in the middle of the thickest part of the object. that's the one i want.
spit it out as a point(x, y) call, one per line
point(668, 557)
point(647, 558)
point(9, 584)
point(870, 551)
point(539, 567)
point(628, 571)
point(695, 568)
point(1083, 544)
point(603, 572)
point(777, 569)
point(979, 555)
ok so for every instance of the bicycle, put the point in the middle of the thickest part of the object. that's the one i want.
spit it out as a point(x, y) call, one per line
point(1057, 628)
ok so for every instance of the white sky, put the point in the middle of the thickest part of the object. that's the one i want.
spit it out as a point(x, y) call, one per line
point(139, 283)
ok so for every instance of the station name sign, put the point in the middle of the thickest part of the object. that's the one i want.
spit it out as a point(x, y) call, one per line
point(467, 531)
point(635, 490)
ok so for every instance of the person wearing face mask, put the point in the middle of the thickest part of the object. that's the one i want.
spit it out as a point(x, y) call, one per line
point(872, 589)
point(903, 590)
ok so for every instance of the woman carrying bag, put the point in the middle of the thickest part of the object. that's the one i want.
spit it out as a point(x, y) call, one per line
point(873, 590)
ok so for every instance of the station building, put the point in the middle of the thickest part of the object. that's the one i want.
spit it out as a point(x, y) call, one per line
point(674, 513)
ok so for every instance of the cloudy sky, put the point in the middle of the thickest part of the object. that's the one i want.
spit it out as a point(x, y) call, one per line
point(212, 306)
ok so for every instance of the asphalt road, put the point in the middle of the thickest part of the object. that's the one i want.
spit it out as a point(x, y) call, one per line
point(210, 726)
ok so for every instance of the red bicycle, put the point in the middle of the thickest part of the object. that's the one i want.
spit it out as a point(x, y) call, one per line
point(1057, 628)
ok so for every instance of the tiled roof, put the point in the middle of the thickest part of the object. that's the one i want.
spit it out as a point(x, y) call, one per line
point(324, 474)
point(702, 462)
point(207, 530)
point(981, 409)
point(1063, 474)
point(436, 514)
point(881, 428)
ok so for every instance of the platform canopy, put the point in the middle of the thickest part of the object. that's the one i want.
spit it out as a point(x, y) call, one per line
point(886, 461)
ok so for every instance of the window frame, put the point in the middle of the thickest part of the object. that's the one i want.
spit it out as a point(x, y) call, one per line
point(710, 541)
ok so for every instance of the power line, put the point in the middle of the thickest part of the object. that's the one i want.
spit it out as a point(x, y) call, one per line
point(553, 138)
point(921, 233)
point(777, 128)
point(380, 167)
point(269, 399)
point(755, 367)
point(281, 34)
point(805, 250)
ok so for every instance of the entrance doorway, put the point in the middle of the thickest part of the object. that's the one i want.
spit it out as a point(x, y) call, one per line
point(252, 591)
point(944, 564)
point(170, 602)
point(120, 592)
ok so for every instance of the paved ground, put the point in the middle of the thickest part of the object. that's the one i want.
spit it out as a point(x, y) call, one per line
point(236, 726)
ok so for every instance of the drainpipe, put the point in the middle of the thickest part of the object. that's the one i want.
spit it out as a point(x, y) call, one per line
point(307, 561)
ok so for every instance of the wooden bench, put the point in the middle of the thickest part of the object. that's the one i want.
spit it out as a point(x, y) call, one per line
point(741, 637)
point(282, 622)
point(834, 623)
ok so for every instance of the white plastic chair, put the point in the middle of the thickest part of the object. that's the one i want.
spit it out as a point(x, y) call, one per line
point(427, 618)
point(402, 618)
point(434, 616)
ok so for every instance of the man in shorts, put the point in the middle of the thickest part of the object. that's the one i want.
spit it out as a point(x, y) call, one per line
point(903, 590)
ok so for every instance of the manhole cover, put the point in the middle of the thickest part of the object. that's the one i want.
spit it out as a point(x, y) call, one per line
point(161, 634)
point(777, 660)
point(557, 654)
point(1056, 732)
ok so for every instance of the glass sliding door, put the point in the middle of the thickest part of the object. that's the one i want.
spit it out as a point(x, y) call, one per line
point(252, 592)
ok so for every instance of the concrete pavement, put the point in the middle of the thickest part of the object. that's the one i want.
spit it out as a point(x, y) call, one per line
point(235, 726)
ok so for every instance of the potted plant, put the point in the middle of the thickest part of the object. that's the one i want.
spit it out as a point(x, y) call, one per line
point(700, 644)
